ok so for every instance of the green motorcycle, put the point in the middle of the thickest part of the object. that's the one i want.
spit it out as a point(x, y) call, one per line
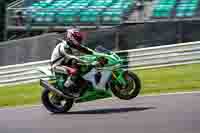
point(122, 83)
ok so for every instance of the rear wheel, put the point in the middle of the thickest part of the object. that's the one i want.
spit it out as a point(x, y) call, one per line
point(131, 90)
point(55, 103)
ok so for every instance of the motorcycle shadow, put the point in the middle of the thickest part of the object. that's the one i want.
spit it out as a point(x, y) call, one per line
point(111, 110)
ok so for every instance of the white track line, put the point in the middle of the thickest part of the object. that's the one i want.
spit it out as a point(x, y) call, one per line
point(148, 95)
point(167, 94)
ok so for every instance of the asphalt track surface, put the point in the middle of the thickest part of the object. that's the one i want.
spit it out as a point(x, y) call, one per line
point(155, 114)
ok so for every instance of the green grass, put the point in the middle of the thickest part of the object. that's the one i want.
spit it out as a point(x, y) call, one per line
point(20, 94)
point(170, 79)
point(160, 80)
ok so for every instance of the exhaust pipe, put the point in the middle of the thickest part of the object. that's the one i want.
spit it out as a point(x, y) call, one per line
point(50, 87)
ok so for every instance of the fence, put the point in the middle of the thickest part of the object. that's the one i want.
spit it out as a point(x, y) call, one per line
point(144, 58)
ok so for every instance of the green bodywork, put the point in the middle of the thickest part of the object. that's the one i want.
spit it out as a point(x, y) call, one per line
point(114, 65)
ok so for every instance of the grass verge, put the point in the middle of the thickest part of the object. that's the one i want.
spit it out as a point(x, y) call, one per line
point(159, 80)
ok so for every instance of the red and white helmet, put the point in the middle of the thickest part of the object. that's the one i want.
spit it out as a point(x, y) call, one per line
point(74, 36)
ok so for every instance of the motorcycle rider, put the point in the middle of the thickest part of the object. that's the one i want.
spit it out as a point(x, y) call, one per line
point(63, 53)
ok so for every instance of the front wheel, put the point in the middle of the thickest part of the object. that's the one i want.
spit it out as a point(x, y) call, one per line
point(55, 103)
point(131, 90)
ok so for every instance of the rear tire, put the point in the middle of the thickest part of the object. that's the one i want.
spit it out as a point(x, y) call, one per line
point(52, 107)
point(137, 87)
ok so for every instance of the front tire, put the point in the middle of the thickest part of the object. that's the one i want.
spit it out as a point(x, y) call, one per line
point(52, 107)
point(132, 91)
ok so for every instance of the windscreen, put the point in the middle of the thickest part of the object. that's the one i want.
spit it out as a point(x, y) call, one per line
point(101, 49)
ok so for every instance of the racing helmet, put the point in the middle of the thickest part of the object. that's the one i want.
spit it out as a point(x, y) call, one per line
point(74, 36)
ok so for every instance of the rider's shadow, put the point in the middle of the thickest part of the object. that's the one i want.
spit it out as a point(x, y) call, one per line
point(111, 110)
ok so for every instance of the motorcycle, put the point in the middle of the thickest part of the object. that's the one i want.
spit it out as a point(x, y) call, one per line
point(121, 83)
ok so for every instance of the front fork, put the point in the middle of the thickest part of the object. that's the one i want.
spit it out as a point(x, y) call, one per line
point(119, 78)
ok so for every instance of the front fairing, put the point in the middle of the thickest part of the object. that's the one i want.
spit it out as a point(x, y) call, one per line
point(113, 58)
point(88, 58)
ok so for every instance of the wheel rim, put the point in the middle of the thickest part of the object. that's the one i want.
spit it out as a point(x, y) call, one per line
point(56, 100)
point(129, 88)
